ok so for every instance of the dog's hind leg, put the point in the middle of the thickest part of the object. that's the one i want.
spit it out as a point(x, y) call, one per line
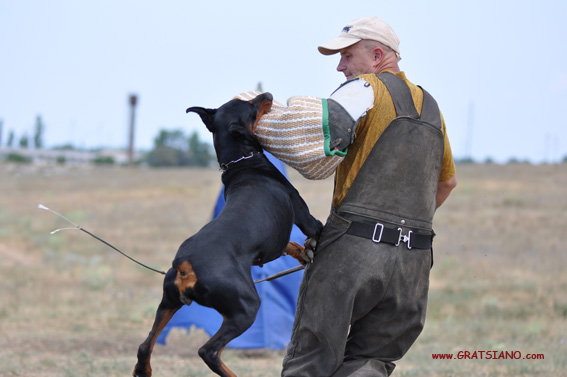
point(170, 304)
point(233, 325)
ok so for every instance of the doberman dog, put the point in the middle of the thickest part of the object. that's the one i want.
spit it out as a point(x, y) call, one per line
point(213, 266)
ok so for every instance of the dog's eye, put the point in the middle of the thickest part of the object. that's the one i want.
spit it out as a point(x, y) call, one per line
point(182, 273)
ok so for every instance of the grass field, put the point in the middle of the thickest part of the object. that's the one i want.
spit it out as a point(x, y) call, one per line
point(70, 306)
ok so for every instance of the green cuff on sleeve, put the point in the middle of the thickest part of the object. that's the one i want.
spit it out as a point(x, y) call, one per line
point(327, 133)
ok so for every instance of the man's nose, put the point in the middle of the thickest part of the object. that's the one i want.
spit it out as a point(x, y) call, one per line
point(341, 67)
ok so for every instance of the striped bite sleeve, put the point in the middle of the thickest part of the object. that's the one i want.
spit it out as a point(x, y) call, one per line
point(295, 135)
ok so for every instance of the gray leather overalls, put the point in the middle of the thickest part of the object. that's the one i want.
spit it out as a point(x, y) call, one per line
point(362, 302)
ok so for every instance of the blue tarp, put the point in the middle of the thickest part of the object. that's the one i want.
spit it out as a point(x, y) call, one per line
point(272, 328)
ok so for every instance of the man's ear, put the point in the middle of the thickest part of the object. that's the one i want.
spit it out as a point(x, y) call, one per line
point(207, 115)
point(378, 55)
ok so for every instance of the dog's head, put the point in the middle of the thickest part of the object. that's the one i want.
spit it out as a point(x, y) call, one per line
point(233, 125)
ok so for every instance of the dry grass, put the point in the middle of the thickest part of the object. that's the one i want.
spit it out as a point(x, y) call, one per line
point(70, 306)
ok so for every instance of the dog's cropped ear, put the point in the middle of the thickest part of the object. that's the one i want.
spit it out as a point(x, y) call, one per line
point(235, 130)
point(207, 115)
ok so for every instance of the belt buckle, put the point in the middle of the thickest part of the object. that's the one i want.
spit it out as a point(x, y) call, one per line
point(381, 231)
point(404, 238)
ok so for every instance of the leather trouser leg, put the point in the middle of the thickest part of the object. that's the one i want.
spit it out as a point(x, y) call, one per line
point(361, 306)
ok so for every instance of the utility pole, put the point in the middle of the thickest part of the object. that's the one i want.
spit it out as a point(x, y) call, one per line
point(470, 124)
point(133, 102)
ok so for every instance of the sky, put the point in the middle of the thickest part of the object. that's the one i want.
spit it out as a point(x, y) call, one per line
point(497, 68)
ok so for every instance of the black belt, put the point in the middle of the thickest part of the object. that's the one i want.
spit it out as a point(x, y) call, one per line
point(378, 232)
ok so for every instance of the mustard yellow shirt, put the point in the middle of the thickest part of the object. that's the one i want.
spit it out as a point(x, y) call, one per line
point(369, 130)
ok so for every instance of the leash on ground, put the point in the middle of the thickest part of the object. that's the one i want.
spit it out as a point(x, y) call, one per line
point(41, 206)
point(78, 227)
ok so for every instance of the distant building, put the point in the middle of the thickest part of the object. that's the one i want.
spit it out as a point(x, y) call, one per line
point(66, 156)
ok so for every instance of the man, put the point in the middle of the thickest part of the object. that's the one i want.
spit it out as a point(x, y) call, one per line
point(363, 298)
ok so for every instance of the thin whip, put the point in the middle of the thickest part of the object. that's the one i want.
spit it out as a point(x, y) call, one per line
point(77, 227)
point(41, 206)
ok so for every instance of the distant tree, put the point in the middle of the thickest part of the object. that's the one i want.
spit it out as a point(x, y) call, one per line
point(65, 147)
point(174, 139)
point(516, 161)
point(199, 152)
point(17, 158)
point(104, 160)
point(162, 156)
point(24, 142)
point(174, 148)
point(465, 160)
point(11, 137)
point(169, 149)
point(38, 135)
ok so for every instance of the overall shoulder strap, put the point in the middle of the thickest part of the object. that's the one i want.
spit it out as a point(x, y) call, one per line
point(430, 111)
point(403, 100)
point(401, 95)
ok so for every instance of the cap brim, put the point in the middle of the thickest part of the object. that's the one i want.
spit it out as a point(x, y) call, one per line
point(336, 45)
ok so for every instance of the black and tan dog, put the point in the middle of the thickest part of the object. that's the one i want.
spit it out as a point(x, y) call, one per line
point(212, 267)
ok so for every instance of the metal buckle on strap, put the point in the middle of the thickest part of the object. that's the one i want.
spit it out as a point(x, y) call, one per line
point(380, 235)
point(404, 238)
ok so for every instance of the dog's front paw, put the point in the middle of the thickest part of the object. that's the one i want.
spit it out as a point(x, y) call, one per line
point(313, 239)
point(302, 254)
point(311, 244)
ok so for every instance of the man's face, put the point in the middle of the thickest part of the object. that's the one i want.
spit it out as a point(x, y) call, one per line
point(356, 60)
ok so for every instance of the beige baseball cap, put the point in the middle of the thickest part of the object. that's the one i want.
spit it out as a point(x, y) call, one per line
point(363, 28)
